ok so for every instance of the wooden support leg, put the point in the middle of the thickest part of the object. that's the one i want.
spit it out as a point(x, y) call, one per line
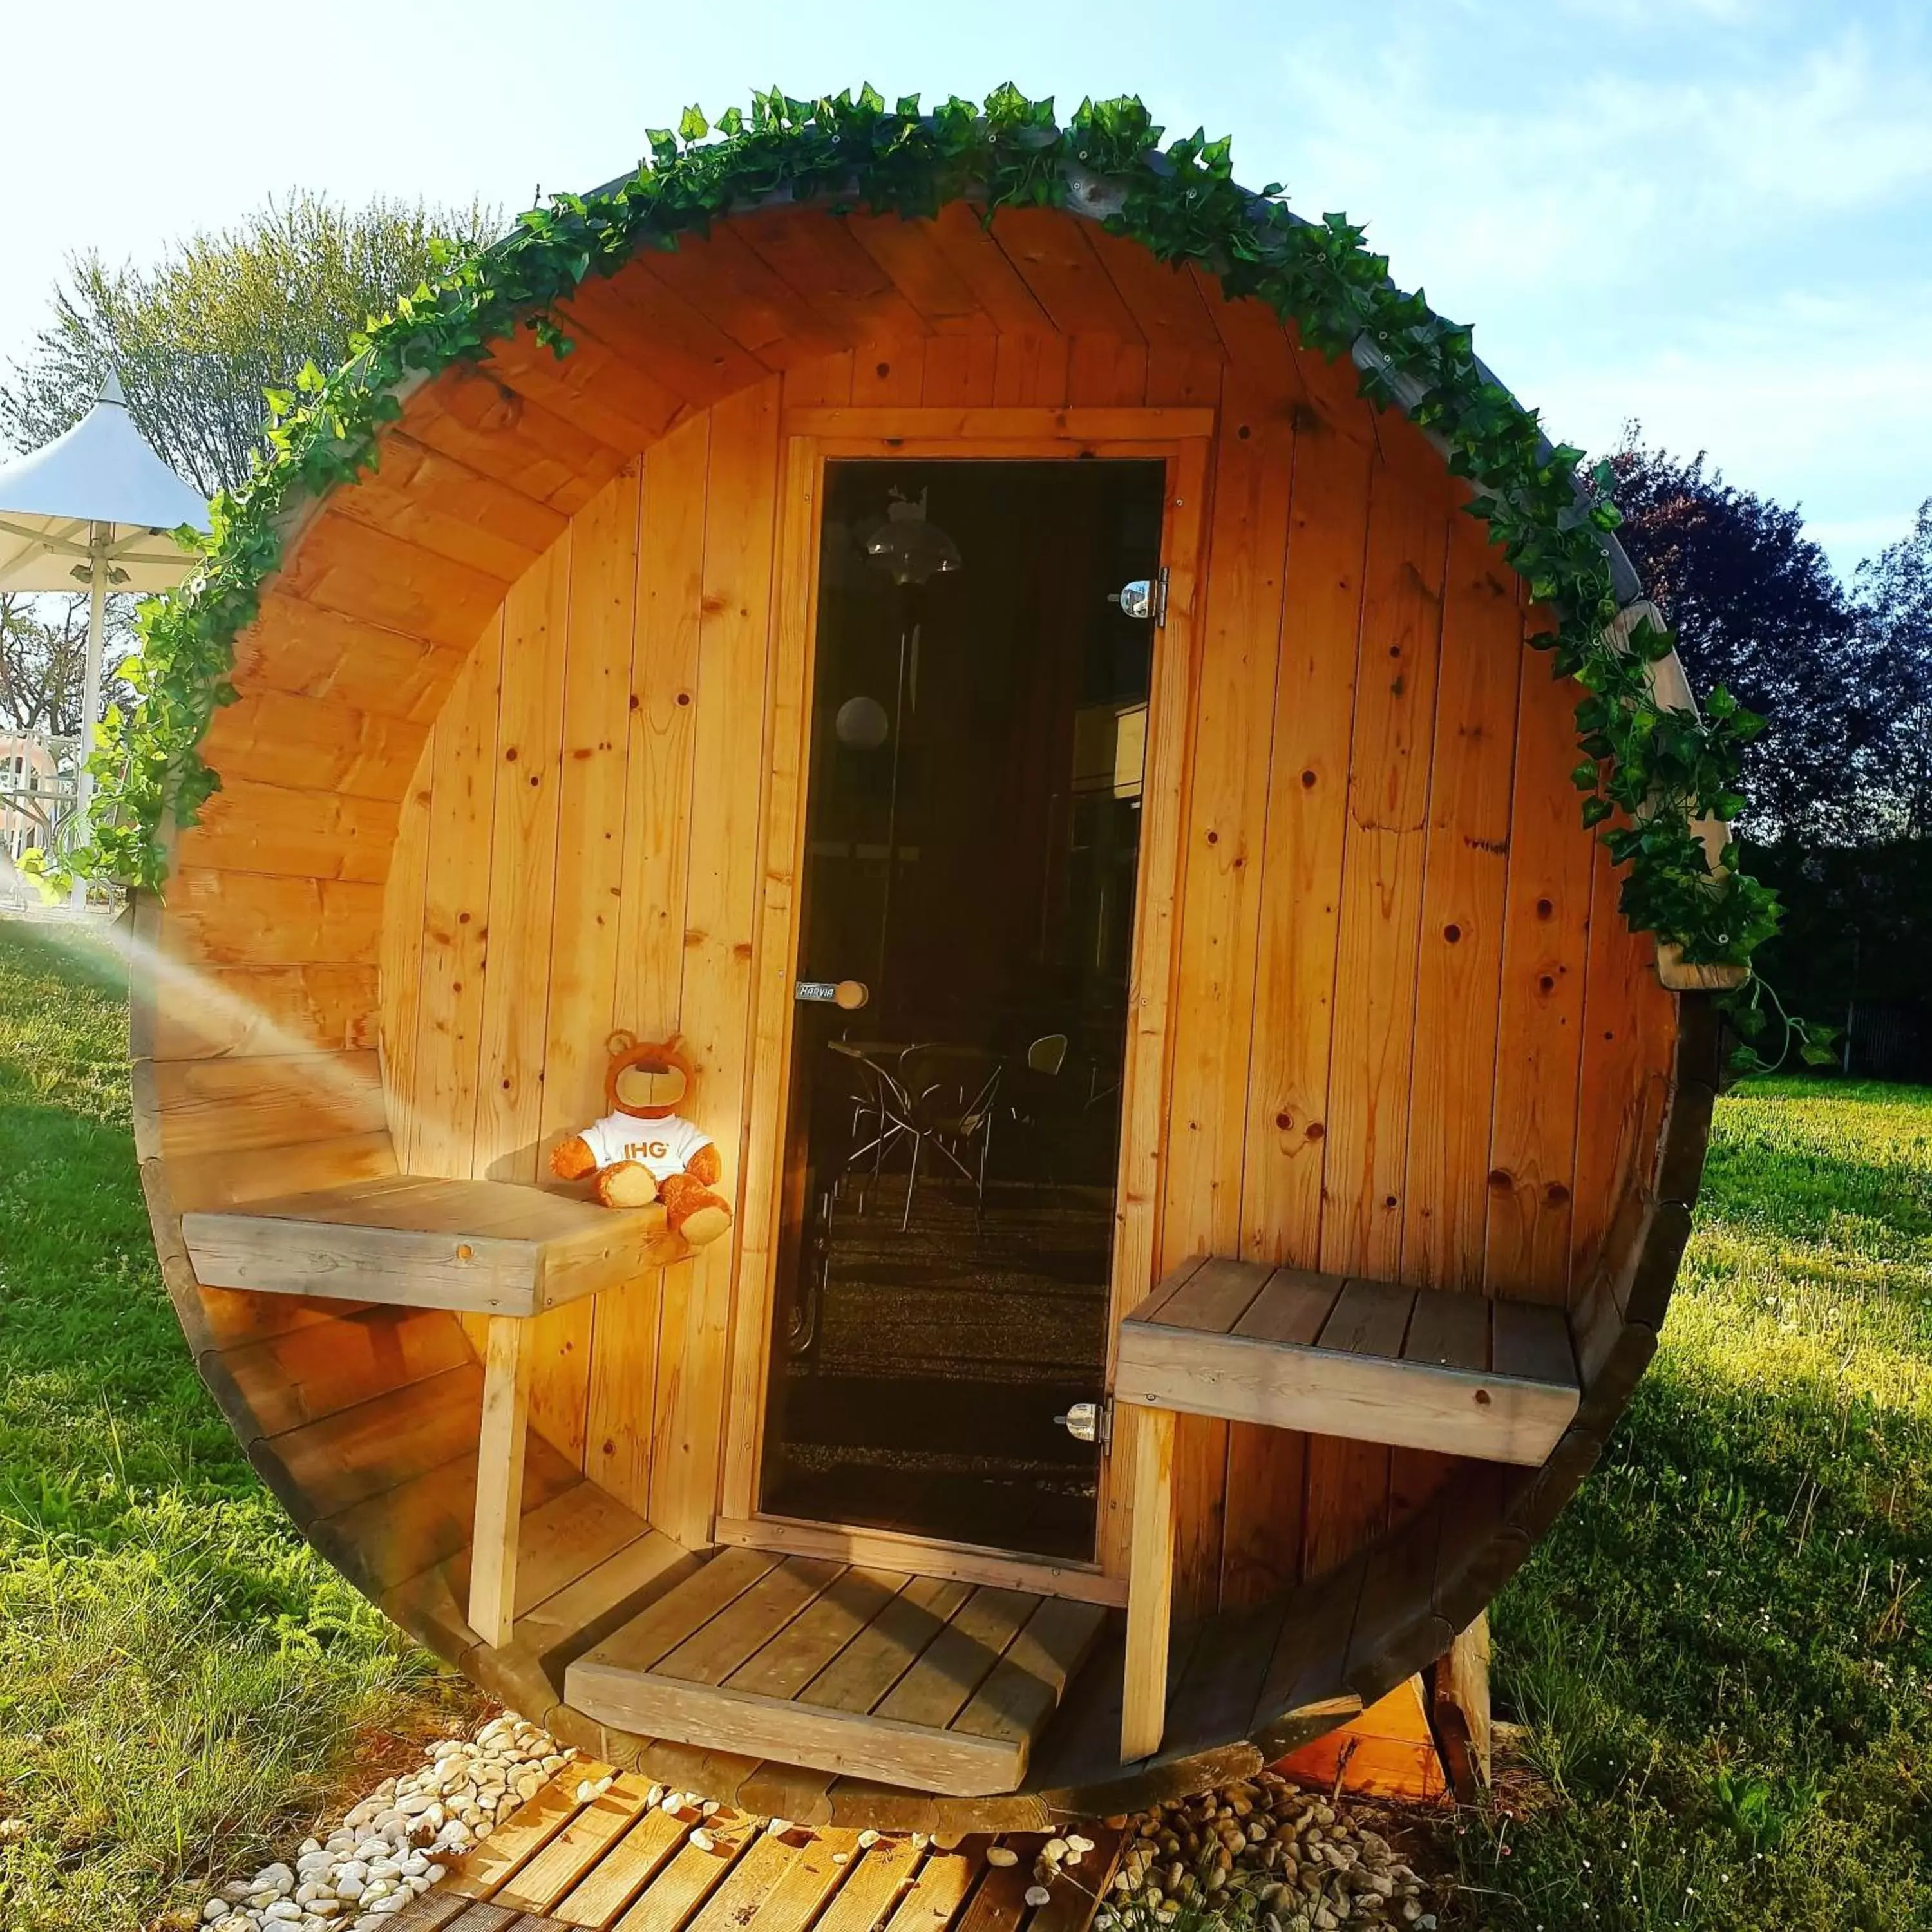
point(1149, 1581)
point(1459, 1704)
point(499, 1480)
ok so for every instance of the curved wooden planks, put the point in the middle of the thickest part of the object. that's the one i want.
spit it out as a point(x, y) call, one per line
point(560, 573)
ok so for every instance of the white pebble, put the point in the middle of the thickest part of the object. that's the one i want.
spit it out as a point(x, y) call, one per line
point(283, 1908)
point(778, 1827)
point(867, 1839)
point(1002, 1855)
point(702, 1839)
point(1038, 1895)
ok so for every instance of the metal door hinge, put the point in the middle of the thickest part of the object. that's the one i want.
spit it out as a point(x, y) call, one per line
point(1089, 1422)
point(1143, 597)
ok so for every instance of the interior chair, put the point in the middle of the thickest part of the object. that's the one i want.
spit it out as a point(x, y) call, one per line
point(951, 1090)
point(880, 1104)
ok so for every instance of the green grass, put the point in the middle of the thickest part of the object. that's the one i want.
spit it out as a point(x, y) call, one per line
point(182, 1681)
point(1723, 1651)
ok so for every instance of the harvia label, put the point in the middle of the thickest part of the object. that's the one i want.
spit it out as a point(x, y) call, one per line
point(824, 992)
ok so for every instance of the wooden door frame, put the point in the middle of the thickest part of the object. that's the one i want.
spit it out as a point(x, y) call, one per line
point(809, 438)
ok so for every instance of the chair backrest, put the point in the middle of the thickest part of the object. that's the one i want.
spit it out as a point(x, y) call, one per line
point(1048, 1053)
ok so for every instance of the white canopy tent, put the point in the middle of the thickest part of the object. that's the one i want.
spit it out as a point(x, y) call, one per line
point(92, 511)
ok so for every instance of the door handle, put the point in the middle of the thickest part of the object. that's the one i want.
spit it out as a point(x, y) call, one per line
point(851, 994)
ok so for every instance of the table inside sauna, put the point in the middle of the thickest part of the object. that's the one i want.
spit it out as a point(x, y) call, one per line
point(1370, 1361)
point(490, 1248)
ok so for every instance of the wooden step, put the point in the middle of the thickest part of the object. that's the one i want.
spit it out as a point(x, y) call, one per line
point(485, 1246)
point(917, 1680)
point(1368, 1360)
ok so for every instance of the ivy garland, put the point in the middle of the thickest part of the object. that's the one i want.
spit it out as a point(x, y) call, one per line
point(1659, 769)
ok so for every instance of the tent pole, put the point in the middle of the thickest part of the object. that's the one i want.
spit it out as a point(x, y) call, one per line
point(90, 693)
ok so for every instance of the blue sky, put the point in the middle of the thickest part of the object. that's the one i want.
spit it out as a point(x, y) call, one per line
point(1713, 216)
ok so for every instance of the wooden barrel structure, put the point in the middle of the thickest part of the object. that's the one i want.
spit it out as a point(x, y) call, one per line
point(993, 616)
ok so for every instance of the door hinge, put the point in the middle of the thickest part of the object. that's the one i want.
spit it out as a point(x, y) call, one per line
point(1089, 1422)
point(1144, 598)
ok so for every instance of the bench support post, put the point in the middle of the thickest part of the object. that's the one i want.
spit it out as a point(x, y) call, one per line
point(1149, 1581)
point(499, 1480)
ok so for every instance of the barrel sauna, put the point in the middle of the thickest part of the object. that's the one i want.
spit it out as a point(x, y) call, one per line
point(1209, 1158)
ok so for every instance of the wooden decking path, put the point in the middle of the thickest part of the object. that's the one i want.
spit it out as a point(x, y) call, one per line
point(616, 1863)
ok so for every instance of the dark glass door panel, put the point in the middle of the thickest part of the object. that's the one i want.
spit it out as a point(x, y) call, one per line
point(972, 834)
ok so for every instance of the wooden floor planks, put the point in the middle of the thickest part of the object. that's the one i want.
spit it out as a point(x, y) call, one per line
point(613, 1861)
point(814, 1662)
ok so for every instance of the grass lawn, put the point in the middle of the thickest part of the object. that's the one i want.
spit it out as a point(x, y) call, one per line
point(1722, 1655)
point(181, 1679)
point(1723, 1651)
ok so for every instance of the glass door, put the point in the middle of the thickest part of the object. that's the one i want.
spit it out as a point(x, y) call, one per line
point(984, 641)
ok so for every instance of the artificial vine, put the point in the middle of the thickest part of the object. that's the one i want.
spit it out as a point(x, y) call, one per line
point(1651, 769)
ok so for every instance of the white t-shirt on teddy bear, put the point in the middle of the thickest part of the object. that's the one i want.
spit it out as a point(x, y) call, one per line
point(665, 1147)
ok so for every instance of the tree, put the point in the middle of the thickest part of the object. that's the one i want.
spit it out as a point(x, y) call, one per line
point(1894, 596)
point(43, 653)
point(1757, 608)
point(197, 338)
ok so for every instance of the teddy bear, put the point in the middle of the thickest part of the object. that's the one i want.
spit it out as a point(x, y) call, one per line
point(640, 1151)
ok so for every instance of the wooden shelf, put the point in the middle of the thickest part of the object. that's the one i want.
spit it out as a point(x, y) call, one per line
point(1367, 1360)
point(913, 1680)
point(481, 1246)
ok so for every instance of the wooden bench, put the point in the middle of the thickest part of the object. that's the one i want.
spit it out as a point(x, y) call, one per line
point(1332, 1355)
point(481, 1247)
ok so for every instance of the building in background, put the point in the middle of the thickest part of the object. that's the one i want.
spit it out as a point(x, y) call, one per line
point(36, 793)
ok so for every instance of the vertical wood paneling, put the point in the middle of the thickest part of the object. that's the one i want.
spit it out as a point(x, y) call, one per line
point(647, 998)
point(1545, 938)
point(1627, 1014)
point(514, 1030)
point(601, 1418)
point(441, 1128)
point(1220, 900)
point(726, 840)
point(765, 1179)
point(1373, 1040)
point(959, 371)
point(1301, 895)
point(400, 984)
point(1285, 1093)
point(1152, 990)
point(1447, 1197)
point(1334, 1068)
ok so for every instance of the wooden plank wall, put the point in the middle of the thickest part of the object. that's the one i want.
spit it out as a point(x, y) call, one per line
point(1393, 923)
point(502, 750)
